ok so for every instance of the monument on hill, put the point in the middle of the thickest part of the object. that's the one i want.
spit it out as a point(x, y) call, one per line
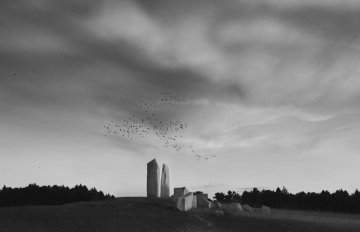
point(165, 182)
point(153, 179)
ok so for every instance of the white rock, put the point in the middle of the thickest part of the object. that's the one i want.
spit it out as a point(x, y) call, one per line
point(186, 202)
point(165, 182)
point(178, 192)
point(194, 202)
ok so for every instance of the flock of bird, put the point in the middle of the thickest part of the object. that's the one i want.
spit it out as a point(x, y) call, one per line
point(148, 123)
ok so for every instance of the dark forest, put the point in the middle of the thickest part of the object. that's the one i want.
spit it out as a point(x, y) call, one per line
point(49, 195)
point(339, 201)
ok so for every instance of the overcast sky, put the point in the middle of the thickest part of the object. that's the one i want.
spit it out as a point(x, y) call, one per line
point(271, 87)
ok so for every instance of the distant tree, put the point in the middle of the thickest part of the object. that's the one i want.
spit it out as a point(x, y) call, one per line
point(48, 195)
point(284, 190)
point(339, 201)
point(356, 193)
point(231, 196)
point(278, 191)
point(219, 197)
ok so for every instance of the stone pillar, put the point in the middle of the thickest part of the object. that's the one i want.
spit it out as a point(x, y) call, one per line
point(153, 179)
point(165, 182)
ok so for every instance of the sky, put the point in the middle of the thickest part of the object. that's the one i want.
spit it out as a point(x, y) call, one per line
point(270, 87)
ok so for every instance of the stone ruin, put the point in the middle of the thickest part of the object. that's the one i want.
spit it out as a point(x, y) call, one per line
point(178, 192)
point(185, 200)
point(202, 200)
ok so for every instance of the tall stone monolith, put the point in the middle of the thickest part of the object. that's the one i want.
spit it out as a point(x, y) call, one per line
point(153, 179)
point(165, 182)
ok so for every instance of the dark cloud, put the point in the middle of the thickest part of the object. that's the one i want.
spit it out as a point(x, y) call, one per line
point(74, 47)
point(339, 21)
point(78, 66)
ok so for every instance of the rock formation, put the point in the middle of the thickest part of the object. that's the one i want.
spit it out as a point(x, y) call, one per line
point(165, 182)
point(153, 179)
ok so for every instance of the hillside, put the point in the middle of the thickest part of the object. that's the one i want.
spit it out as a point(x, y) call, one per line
point(146, 215)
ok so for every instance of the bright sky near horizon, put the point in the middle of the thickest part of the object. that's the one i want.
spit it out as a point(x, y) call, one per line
point(271, 87)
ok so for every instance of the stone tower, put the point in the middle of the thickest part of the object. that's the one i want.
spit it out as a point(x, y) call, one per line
point(165, 182)
point(153, 179)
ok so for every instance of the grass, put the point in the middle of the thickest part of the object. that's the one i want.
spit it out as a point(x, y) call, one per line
point(146, 215)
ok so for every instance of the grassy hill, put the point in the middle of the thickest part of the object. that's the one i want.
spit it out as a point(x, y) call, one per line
point(146, 215)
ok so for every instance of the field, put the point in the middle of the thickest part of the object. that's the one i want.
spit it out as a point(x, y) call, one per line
point(143, 214)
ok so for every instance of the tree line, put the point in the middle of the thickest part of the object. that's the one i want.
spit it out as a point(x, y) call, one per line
point(338, 201)
point(49, 195)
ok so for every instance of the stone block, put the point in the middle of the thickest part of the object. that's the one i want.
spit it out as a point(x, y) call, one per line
point(202, 201)
point(178, 192)
point(186, 202)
